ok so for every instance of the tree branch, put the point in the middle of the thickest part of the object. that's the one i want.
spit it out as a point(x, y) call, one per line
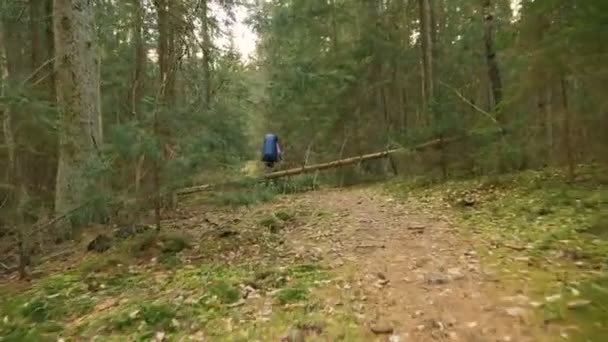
point(490, 116)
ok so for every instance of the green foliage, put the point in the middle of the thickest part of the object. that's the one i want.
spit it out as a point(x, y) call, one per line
point(155, 316)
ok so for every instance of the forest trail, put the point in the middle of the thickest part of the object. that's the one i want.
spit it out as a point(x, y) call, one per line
point(350, 264)
point(408, 272)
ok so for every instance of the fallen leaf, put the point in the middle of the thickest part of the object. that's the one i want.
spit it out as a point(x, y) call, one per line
point(576, 304)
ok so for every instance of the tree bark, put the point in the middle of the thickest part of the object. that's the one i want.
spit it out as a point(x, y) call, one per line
point(207, 43)
point(567, 129)
point(11, 38)
point(491, 60)
point(167, 54)
point(426, 36)
point(78, 98)
point(549, 124)
point(137, 92)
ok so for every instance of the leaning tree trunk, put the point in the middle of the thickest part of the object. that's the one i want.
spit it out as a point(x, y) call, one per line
point(78, 98)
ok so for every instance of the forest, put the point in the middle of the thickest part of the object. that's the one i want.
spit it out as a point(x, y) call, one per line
point(443, 171)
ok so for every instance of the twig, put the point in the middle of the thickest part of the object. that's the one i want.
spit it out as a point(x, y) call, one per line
point(371, 246)
point(490, 116)
point(35, 72)
point(64, 215)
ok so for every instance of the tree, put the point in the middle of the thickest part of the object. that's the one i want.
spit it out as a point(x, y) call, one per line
point(77, 86)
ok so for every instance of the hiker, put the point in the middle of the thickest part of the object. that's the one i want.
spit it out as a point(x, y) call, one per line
point(271, 151)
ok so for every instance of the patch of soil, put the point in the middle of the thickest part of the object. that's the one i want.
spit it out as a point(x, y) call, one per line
point(408, 272)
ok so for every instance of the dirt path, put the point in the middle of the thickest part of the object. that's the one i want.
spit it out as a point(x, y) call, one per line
point(408, 271)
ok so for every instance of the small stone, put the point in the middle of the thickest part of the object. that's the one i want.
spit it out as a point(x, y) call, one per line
point(576, 304)
point(437, 324)
point(455, 273)
point(516, 312)
point(437, 278)
point(507, 339)
point(450, 322)
point(381, 329)
point(159, 336)
point(471, 325)
point(470, 253)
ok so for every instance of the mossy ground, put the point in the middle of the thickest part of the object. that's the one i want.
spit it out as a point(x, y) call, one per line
point(176, 286)
point(539, 232)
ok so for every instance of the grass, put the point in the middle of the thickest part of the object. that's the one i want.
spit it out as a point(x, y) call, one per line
point(558, 229)
point(251, 191)
point(134, 301)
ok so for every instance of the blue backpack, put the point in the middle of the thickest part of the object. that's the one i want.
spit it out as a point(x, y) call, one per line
point(270, 153)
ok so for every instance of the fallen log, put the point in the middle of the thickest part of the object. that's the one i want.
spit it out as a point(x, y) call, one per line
point(349, 161)
point(323, 166)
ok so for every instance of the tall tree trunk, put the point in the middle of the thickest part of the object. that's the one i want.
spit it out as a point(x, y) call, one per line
point(169, 24)
point(78, 98)
point(567, 128)
point(139, 45)
point(492, 63)
point(426, 37)
point(11, 40)
point(167, 54)
point(207, 43)
point(549, 123)
point(42, 80)
point(494, 78)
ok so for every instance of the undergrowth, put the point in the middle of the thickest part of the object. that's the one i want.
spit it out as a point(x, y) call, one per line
point(250, 192)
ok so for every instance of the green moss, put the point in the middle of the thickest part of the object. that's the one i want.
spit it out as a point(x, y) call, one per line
point(173, 243)
point(284, 215)
point(226, 293)
point(292, 294)
point(271, 222)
